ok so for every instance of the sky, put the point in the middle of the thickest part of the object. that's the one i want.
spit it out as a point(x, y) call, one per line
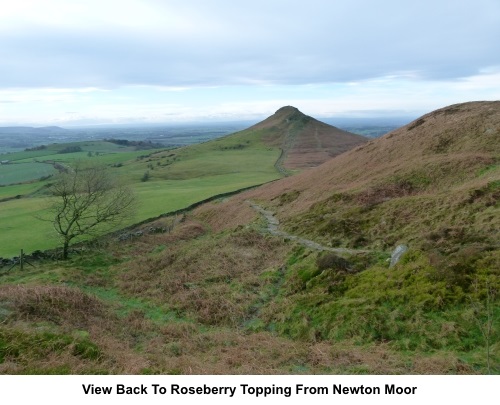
point(94, 62)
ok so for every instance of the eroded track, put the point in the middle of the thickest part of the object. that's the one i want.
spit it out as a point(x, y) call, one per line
point(272, 227)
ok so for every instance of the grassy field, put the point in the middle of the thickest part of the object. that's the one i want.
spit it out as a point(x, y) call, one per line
point(177, 178)
point(23, 172)
point(12, 191)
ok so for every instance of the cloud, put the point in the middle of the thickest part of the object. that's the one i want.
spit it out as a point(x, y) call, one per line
point(195, 43)
point(179, 60)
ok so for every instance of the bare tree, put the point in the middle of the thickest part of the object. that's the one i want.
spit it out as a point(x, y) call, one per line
point(88, 201)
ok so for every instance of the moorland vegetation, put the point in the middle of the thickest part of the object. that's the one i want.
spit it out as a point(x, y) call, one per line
point(213, 291)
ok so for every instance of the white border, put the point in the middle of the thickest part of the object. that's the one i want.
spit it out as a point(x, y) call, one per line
point(56, 390)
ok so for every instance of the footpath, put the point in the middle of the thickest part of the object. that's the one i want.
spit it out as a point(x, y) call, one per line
point(272, 224)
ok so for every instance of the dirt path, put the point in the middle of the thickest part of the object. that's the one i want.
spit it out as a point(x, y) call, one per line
point(272, 228)
point(279, 164)
point(288, 143)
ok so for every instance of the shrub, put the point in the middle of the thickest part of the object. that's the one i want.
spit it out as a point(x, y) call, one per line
point(330, 260)
point(71, 149)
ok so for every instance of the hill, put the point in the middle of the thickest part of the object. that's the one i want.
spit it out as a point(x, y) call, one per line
point(305, 142)
point(292, 276)
point(29, 130)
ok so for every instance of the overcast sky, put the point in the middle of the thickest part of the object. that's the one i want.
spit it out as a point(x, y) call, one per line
point(68, 62)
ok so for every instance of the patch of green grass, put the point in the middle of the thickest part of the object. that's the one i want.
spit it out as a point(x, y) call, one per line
point(21, 229)
point(22, 172)
point(12, 191)
point(488, 169)
point(125, 305)
point(29, 346)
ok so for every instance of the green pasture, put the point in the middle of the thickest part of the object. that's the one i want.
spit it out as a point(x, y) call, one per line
point(22, 172)
point(20, 228)
point(14, 190)
point(187, 165)
point(177, 179)
point(158, 197)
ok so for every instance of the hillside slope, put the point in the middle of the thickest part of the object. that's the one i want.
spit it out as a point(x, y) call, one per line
point(434, 186)
point(305, 141)
point(441, 170)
